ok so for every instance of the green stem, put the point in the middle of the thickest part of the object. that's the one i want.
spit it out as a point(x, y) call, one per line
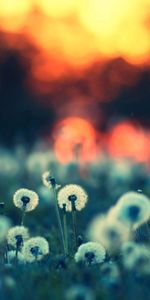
point(6, 253)
point(23, 217)
point(74, 223)
point(59, 223)
point(16, 257)
point(65, 230)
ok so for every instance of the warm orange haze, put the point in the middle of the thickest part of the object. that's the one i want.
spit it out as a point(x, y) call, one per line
point(77, 140)
point(74, 34)
point(103, 45)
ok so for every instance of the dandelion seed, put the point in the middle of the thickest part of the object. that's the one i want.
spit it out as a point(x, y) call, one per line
point(90, 253)
point(49, 181)
point(17, 236)
point(26, 199)
point(35, 249)
point(70, 195)
point(133, 209)
point(110, 233)
point(5, 225)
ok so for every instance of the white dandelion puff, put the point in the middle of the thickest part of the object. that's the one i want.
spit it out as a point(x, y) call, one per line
point(109, 232)
point(17, 236)
point(25, 199)
point(49, 181)
point(5, 225)
point(133, 209)
point(72, 195)
point(90, 253)
point(129, 248)
point(110, 273)
point(35, 249)
point(136, 257)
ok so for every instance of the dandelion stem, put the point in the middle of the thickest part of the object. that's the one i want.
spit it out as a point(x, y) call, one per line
point(59, 222)
point(23, 217)
point(65, 229)
point(74, 223)
point(6, 253)
point(16, 256)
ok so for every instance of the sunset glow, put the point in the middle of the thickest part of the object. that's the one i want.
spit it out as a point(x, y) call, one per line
point(129, 141)
point(73, 34)
point(75, 139)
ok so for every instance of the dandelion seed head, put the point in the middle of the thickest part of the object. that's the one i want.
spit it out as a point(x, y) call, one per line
point(5, 225)
point(72, 194)
point(136, 257)
point(17, 236)
point(109, 232)
point(110, 273)
point(133, 209)
point(49, 181)
point(35, 249)
point(90, 253)
point(26, 199)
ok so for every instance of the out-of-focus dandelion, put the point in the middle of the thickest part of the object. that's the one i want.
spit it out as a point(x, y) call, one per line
point(9, 282)
point(76, 292)
point(129, 248)
point(50, 182)
point(9, 166)
point(109, 232)
point(110, 274)
point(26, 200)
point(37, 162)
point(133, 209)
point(90, 253)
point(16, 237)
point(136, 258)
point(119, 175)
point(5, 224)
point(71, 198)
point(35, 249)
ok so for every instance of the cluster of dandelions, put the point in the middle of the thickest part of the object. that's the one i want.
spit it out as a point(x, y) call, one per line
point(70, 199)
point(108, 235)
point(115, 232)
point(20, 247)
point(24, 249)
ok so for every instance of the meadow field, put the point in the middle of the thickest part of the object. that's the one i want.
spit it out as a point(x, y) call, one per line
point(106, 251)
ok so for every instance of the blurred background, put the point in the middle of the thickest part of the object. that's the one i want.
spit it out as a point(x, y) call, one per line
point(75, 79)
point(75, 100)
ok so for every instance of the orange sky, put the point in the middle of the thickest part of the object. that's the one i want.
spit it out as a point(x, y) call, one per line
point(72, 34)
point(72, 37)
